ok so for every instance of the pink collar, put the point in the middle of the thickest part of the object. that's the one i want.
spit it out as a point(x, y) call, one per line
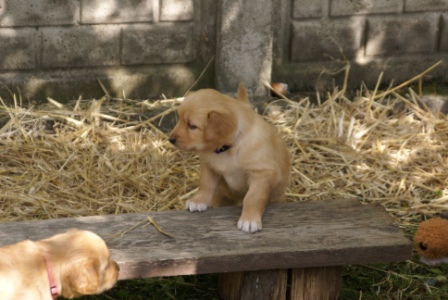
point(53, 288)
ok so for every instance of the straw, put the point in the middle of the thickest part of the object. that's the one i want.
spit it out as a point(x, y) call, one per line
point(90, 157)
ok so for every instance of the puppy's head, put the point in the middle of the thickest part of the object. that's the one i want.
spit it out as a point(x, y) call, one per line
point(81, 261)
point(207, 121)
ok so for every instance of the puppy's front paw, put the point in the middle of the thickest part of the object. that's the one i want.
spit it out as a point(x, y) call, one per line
point(193, 206)
point(249, 226)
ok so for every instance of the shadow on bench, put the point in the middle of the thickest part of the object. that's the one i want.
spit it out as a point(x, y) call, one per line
point(299, 254)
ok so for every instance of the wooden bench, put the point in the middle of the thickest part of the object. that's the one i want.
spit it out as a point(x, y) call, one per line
point(312, 239)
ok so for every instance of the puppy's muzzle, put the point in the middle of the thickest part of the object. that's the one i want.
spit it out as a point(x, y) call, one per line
point(172, 140)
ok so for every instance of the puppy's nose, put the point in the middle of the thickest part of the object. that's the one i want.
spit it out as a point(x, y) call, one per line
point(172, 140)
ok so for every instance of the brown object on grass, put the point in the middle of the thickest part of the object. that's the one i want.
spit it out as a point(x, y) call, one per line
point(431, 241)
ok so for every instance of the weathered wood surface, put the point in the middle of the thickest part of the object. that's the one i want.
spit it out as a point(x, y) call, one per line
point(254, 285)
point(316, 283)
point(294, 235)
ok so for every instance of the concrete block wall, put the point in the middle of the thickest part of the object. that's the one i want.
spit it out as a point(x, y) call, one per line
point(143, 48)
point(399, 37)
point(244, 48)
point(129, 44)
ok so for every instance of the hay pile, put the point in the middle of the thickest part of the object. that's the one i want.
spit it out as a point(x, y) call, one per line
point(108, 156)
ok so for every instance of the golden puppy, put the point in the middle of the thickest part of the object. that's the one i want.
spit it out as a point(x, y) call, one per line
point(242, 157)
point(70, 264)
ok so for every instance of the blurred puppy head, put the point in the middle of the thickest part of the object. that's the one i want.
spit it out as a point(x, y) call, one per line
point(70, 264)
point(206, 122)
point(81, 262)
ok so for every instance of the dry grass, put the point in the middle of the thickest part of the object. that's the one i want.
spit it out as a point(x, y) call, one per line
point(108, 156)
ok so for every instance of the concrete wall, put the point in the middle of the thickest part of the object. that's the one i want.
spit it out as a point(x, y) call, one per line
point(143, 48)
point(398, 37)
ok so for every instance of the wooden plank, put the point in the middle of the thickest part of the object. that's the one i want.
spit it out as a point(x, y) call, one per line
point(294, 235)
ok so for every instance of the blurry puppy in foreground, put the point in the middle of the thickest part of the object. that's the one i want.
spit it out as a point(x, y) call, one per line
point(242, 157)
point(70, 264)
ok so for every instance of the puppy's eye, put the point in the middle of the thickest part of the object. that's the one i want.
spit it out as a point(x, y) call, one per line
point(191, 126)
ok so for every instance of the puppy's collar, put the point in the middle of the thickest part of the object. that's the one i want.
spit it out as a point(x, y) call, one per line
point(53, 288)
point(222, 149)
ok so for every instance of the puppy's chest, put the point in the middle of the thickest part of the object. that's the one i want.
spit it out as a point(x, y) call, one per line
point(231, 171)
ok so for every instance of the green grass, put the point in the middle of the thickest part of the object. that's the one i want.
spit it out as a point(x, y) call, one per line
point(404, 280)
point(430, 87)
point(409, 280)
point(200, 287)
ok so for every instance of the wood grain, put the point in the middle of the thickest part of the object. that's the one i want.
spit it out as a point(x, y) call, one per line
point(316, 283)
point(254, 285)
point(295, 235)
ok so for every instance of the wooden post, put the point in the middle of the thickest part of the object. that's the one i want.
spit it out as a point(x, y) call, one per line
point(229, 285)
point(256, 285)
point(244, 47)
point(323, 283)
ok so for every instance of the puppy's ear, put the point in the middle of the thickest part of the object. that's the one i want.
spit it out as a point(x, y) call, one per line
point(220, 126)
point(241, 94)
point(83, 278)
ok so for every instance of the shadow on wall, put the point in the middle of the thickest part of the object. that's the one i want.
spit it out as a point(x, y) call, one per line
point(141, 49)
point(136, 48)
point(374, 36)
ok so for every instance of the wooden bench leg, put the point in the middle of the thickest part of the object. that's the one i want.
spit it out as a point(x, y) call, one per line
point(255, 285)
point(323, 283)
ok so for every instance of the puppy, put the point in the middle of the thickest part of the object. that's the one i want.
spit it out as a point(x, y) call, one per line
point(71, 264)
point(242, 157)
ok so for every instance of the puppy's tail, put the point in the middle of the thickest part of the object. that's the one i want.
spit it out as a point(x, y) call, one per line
point(241, 94)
